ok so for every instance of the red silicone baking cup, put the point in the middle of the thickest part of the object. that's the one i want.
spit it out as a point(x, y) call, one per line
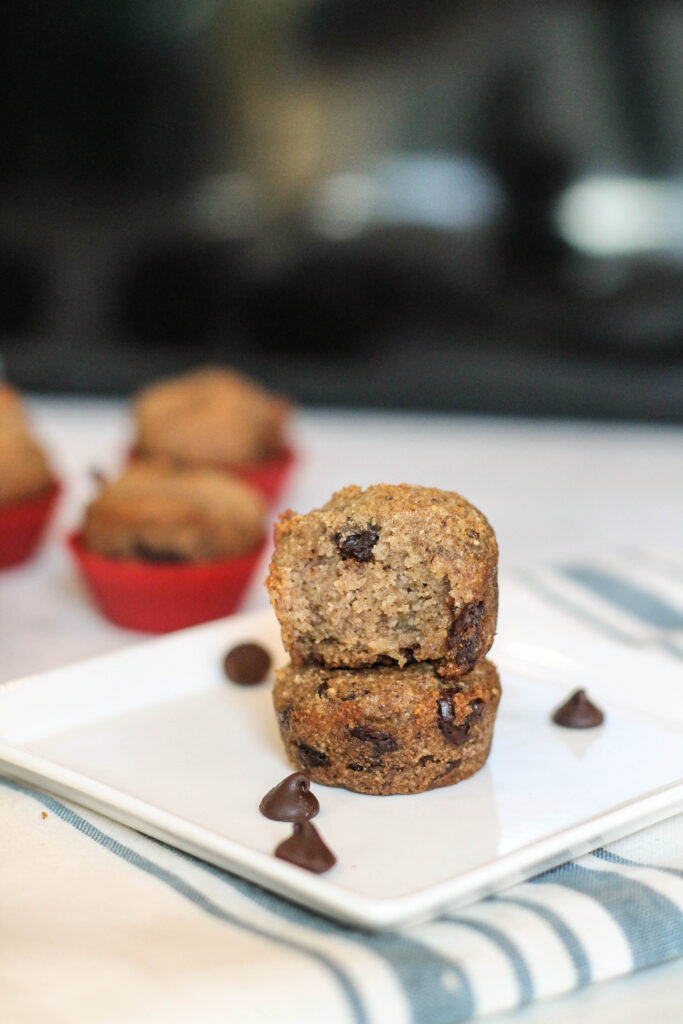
point(22, 525)
point(160, 598)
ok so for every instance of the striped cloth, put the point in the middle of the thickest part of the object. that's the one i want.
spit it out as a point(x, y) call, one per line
point(98, 922)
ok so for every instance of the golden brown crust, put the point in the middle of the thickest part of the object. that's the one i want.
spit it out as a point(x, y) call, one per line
point(386, 730)
point(153, 513)
point(393, 572)
point(210, 417)
point(24, 469)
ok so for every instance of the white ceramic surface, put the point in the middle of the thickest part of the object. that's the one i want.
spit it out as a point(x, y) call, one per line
point(155, 737)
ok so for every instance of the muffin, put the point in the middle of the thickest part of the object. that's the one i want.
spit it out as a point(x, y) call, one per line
point(210, 417)
point(28, 488)
point(386, 730)
point(393, 574)
point(155, 514)
point(164, 548)
point(24, 469)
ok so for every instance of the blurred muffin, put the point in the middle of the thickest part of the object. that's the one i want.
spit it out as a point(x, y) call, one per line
point(163, 548)
point(153, 513)
point(24, 469)
point(210, 417)
point(28, 488)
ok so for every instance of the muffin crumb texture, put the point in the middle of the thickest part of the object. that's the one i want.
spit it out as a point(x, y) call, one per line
point(394, 573)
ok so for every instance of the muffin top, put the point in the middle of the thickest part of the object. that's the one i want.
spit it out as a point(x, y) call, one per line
point(154, 513)
point(24, 469)
point(210, 417)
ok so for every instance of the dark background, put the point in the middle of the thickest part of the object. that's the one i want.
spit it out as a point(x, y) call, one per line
point(419, 204)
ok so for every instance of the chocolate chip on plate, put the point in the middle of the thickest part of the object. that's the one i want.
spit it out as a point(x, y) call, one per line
point(578, 712)
point(306, 849)
point(290, 800)
point(247, 664)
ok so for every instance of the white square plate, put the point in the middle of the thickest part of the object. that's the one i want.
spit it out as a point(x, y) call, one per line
point(155, 737)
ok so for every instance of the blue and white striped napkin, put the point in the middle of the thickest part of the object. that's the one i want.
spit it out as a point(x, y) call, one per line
point(98, 922)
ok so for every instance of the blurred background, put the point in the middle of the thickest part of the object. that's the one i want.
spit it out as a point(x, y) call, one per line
point(429, 204)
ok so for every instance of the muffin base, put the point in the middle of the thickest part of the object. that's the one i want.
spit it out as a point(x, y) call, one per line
point(385, 730)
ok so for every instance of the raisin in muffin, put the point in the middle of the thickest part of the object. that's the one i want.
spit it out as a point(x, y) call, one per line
point(391, 574)
point(387, 730)
point(210, 417)
point(153, 513)
point(24, 470)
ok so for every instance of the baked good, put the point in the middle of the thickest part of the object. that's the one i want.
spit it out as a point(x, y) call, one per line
point(393, 573)
point(386, 729)
point(210, 417)
point(24, 470)
point(153, 513)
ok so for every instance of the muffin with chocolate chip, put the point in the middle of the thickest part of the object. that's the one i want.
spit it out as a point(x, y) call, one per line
point(393, 574)
point(153, 513)
point(210, 417)
point(385, 729)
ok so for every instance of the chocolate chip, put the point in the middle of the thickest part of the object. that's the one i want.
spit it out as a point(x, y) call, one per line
point(310, 757)
point(383, 742)
point(284, 717)
point(356, 767)
point(463, 634)
point(290, 800)
point(157, 555)
point(358, 545)
point(478, 708)
point(453, 733)
point(323, 688)
point(247, 664)
point(306, 849)
point(447, 769)
point(578, 713)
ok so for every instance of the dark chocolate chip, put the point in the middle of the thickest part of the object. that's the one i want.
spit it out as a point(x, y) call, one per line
point(463, 634)
point(578, 713)
point(425, 759)
point(358, 545)
point(157, 555)
point(306, 849)
point(452, 732)
point(284, 717)
point(447, 769)
point(383, 742)
point(356, 767)
point(310, 757)
point(349, 696)
point(247, 664)
point(323, 688)
point(478, 708)
point(290, 800)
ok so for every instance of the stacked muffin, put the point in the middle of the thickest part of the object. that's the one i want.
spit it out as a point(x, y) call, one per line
point(387, 599)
